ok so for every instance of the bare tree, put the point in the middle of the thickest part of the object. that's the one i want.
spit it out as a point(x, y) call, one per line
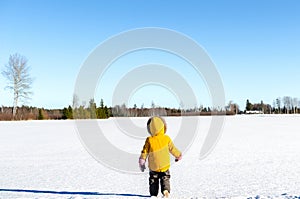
point(19, 80)
point(233, 107)
point(153, 106)
point(287, 103)
point(274, 105)
point(278, 102)
point(75, 101)
point(295, 104)
point(227, 108)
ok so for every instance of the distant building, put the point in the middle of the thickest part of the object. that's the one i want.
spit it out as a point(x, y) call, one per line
point(254, 112)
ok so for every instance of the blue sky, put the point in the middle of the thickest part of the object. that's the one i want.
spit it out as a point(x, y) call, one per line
point(255, 45)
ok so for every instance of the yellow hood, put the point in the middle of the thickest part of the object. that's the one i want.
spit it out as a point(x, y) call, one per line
point(156, 125)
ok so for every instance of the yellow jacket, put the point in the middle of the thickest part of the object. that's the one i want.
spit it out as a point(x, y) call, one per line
point(158, 146)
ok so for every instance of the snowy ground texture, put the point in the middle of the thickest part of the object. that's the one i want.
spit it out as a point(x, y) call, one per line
point(258, 156)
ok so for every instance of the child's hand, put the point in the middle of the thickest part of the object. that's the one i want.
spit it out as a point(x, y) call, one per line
point(142, 167)
point(179, 158)
point(142, 164)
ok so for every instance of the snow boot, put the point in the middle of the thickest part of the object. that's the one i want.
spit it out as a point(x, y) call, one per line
point(166, 194)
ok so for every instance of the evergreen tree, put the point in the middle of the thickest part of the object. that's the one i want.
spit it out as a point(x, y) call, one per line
point(101, 103)
point(70, 112)
point(102, 112)
point(67, 113)
point(107, 112)
point(41, 115)
point(249, 106)
point(262, 106)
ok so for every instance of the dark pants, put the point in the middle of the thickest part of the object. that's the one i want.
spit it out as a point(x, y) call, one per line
point(155, 177)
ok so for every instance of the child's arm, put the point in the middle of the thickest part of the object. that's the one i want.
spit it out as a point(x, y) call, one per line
point(144, 155)
point(174, 151)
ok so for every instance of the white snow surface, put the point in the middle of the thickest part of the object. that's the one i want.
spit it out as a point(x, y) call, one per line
point(257, 156)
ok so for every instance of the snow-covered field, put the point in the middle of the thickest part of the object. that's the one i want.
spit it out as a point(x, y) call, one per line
point(256, 156)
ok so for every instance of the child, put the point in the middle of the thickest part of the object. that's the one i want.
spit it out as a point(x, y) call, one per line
point(157, 148)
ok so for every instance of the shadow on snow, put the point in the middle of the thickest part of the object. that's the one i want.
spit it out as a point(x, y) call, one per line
point(74, 193)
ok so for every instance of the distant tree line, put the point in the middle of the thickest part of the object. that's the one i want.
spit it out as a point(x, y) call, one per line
point(281, 105)
point(29, 113)
point(284, 105)
point(93, 111)
point(90, 112)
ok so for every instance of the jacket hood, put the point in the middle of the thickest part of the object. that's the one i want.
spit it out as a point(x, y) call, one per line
point(156, 125)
